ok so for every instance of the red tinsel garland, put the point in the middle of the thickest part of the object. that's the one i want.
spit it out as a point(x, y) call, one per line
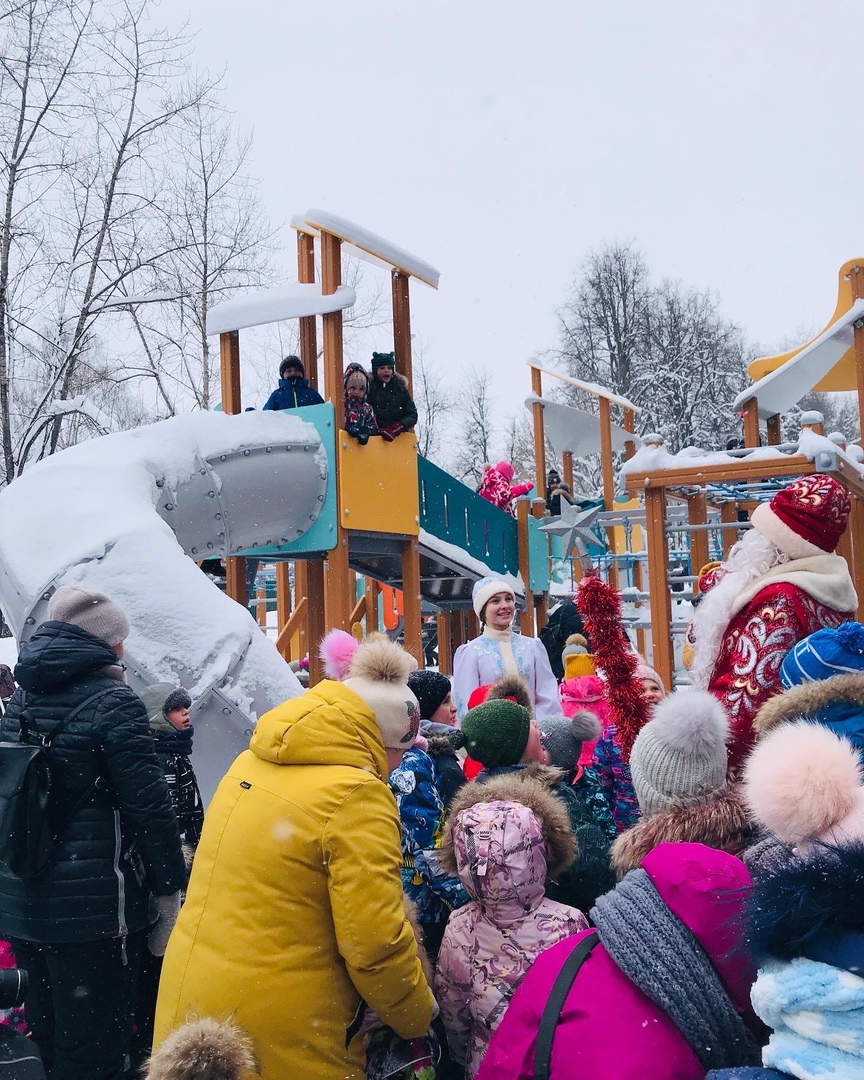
point(600, 607)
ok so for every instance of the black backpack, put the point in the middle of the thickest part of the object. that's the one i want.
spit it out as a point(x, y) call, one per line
point(27, 835)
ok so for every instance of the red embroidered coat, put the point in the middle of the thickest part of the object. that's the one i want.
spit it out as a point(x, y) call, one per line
point(757, 640)
point(495, 489)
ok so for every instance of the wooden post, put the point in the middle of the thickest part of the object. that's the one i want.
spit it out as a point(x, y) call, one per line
point(371, 589)
point(697, 514)
point(283, 601)
point(526, 619)
point(458, 628)
point(856, 280)
point(728, 514)
point(229, 362)
point(608, 469)
point(308, 329)
point(658, 584)
point(411, 600)
point(629, 425)
point(539, 434)
point(445, 645)
point(751, 422)
point(315, 626)
point(567, 463)
point(774, 430)
point(472, 625)
point(261, 608)
point(339, 593)
point(541, 603)
point(402, 326)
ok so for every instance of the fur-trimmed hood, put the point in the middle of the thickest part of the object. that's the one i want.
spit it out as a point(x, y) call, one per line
point(720, 823)
point(811, 906)
point(837, 703)
point(532, 788)
point(204, 1050)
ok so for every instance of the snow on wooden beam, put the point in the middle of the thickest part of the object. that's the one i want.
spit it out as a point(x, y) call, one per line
point(573, 430)
point(368, 244)
point(779, 390)
point(592, 388)
point(288, 302)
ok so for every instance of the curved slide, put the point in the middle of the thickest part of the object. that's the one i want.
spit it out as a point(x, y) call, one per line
point(128, 514)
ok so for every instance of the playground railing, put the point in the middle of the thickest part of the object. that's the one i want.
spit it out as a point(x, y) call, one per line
point(457, 515)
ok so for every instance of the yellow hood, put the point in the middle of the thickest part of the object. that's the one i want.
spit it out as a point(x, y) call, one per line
point(328, 725)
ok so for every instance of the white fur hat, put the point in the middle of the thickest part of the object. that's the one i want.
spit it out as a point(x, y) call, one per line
point(485, 589)
point(804, 783)
point(679, 758)
point(379, 675)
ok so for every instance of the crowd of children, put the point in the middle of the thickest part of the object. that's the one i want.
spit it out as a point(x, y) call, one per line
point(603, 898)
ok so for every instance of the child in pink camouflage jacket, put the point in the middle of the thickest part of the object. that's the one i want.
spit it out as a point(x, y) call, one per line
point(505, 838)
point(495, 486)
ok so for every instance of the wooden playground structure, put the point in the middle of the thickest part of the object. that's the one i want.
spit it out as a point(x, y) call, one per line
point(402, 526)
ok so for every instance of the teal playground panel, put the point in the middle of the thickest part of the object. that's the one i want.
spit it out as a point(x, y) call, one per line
point(322, 535)
point(457, 515)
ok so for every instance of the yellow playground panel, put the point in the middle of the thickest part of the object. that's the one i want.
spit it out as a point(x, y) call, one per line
point(379, 485)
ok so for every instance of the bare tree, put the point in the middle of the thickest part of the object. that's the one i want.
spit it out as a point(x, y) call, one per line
point(217, 242)
point(101, 140)
point(474, 437)
point(434, 403)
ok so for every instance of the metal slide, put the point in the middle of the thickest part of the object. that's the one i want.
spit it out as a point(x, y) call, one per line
point(128, 513)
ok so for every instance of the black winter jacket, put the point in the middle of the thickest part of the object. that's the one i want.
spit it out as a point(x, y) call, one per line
point(172, 750)
point(293, 394)
point(392, 403)
point(124, 841)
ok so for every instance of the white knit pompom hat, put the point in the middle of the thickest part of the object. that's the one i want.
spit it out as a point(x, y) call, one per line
point(485, 589)
point(379, 675)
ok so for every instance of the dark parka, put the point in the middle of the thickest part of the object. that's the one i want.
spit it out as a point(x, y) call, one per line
point(392, 403)
point(124, 841)
point(293, 394)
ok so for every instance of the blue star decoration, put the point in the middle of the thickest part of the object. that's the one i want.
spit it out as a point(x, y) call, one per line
point(574, 526)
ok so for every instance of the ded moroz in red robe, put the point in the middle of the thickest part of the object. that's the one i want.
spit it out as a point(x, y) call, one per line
point(759, 636)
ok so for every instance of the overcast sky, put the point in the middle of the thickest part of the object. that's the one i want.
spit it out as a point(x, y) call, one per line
point(501, 141)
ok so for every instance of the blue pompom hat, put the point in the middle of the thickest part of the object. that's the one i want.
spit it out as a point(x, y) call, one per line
point(828, 652)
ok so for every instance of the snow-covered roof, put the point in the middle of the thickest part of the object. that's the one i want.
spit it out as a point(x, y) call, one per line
point(576, 431)
point(778, 391)
point(368, 244)
point(287, 302)
point(590, 387)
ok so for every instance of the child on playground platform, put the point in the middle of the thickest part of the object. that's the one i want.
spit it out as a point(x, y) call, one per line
point(395, 411)
point(495, 486)
point(360, 420)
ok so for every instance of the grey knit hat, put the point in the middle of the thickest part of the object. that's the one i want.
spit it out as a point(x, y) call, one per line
point(177, 699)
point(154, 697)
point(679, 757)
point(562, 737)
point(90, 610)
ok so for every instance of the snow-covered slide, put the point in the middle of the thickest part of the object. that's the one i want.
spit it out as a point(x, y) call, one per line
point(128, 514)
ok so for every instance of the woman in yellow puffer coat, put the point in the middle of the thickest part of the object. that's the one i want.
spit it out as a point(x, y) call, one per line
point(294, 914)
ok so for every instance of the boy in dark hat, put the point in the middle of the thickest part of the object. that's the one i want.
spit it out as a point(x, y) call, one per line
point(294, 390)
point(168, 713)
point(394, 407)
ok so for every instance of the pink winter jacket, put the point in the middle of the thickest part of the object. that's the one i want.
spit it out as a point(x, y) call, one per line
point(491, 942)
point(495, 488)
point(608, 1029)
point(585, 692)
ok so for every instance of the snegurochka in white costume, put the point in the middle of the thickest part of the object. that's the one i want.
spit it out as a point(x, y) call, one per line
point(499, 651)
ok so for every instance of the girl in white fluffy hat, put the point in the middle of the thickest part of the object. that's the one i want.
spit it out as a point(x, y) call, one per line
point(499, 651)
